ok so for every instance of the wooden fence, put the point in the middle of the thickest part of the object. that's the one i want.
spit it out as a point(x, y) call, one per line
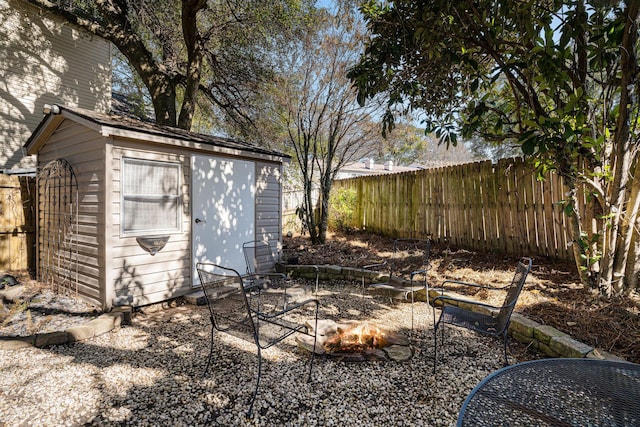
point(479, 206)
point(17, 222)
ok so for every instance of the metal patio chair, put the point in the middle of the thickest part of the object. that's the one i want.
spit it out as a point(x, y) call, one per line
point(259, 318)
point(261, 258)
point(493, 320)
point(407, 271)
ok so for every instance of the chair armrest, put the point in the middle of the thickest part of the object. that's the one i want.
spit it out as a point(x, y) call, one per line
point(251, 287)
point(444, 298)
point(421, 271)
point(254, 276)
point(286, 310)
point(474, 285)
point(373, 266)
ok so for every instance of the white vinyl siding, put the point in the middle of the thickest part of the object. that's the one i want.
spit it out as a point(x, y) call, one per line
point(43, 61)
point(150, 197)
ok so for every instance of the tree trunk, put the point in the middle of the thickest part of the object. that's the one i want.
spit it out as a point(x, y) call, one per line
point(632, 270)
point(576, 233)
point(193, 43)
point(617, 246)
point(309, 211)
point(324, 210)
point(163, 97)
point(631, 241)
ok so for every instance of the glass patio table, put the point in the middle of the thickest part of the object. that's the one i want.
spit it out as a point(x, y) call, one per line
point(556, 392)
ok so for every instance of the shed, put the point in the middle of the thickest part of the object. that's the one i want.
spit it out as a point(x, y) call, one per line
point(127, 208)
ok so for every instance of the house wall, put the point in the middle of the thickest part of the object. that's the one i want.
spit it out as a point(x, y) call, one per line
point(43, 61)
point(84, 150)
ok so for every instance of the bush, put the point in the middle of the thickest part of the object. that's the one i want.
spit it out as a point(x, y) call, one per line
point(342, 205)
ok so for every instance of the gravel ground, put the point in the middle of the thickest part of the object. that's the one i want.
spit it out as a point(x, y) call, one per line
point(150, 373)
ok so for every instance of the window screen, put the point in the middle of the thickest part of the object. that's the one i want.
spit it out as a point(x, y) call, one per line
point(151, 196)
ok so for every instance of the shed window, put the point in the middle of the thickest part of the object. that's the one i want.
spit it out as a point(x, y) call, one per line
point(150, 197)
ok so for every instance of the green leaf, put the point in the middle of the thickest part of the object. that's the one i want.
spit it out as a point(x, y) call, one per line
point(529, 146)
point(474, 85)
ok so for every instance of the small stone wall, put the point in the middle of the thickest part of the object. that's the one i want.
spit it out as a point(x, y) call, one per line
point(544, 338)
point(98, 326)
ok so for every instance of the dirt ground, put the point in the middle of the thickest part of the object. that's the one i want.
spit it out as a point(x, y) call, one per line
point(552, 295)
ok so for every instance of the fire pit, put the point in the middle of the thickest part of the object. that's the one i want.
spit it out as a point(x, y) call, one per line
point(354, 341)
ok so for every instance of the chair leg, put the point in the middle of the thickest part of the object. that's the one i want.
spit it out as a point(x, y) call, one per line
point(506, 338)
point(440, 325)
point(435, 339)
point(315, 340)
point(255, 391)
point(206, 368)
point(412, 301)
point(435, 347)
point(362, 295)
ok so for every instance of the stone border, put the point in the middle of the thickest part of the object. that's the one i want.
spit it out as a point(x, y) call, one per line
point(102, 324)
point(544, 338)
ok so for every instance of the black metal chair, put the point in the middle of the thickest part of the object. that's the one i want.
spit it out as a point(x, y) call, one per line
point(407, 271)
point(493, 321)
point(261, 258)
point(259, 318)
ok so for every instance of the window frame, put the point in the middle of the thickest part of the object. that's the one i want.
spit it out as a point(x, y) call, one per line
point(178, 198)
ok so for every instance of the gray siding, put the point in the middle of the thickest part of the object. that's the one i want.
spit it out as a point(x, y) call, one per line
point(140, 278)
point(268, 201)
point(84, 150)
point(43, 61)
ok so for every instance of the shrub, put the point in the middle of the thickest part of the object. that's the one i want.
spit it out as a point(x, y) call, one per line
point(342, 205)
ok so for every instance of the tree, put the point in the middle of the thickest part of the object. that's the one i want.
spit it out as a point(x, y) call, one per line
point(407, 144)
point(558, 77)
point(480, 148)
point(184, 50)
point(316, 107)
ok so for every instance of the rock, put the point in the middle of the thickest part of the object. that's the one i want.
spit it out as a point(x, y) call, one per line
point(399, 353)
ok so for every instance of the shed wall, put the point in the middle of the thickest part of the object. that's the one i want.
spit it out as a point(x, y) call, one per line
point(84, 150)
point(138, 277)
point(268, 201)
point(114, 269)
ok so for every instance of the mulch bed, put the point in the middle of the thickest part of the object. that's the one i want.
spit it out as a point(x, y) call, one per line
point(552, 295)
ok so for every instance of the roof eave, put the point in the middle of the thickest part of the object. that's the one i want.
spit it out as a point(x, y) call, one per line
point(52, 121)
point(48, 125)
point(107, 131)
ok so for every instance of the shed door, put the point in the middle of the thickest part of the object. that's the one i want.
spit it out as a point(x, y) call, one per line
point(223, 210)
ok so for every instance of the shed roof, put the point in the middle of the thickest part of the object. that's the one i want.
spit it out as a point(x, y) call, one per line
point(127, 127)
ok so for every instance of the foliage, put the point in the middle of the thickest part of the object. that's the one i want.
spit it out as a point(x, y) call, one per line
point(559, 78)
point(342, 203)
